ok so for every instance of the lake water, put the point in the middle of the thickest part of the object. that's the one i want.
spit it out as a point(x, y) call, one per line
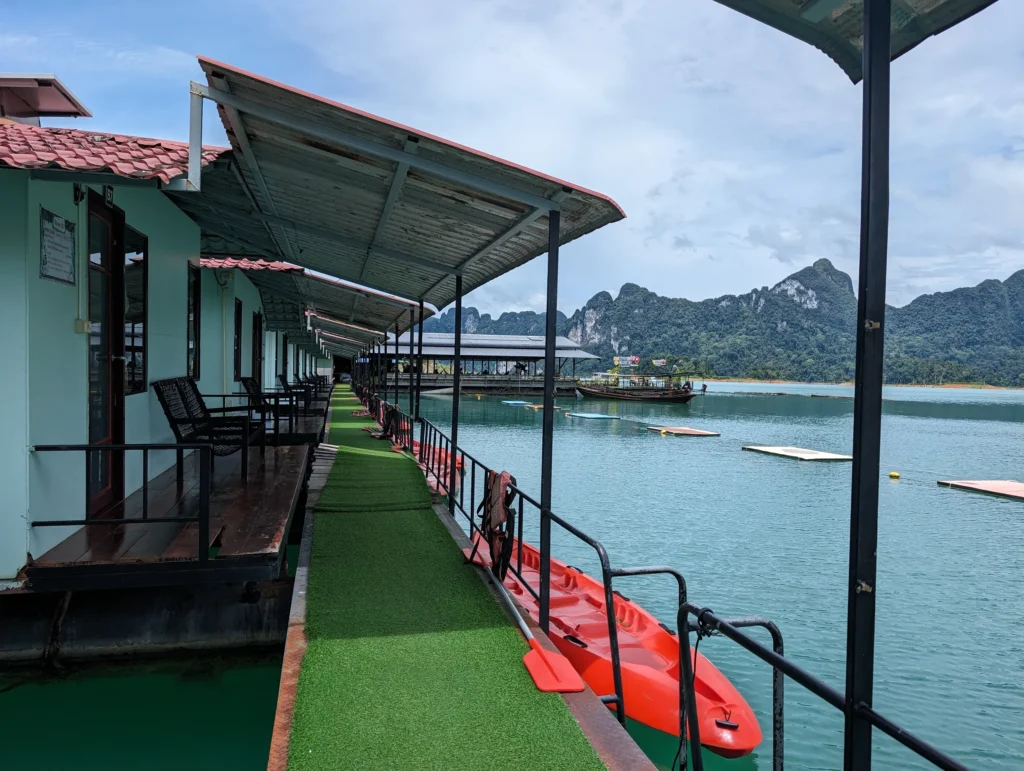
point(206, 713)
point(762, 535)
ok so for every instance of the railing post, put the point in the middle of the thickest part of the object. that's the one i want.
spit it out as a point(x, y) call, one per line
point(547, 439)
point(145, 484)
point(867, 406)
point(412, 330)
point(456, 391)
point(419, 361)
point(396, 366)
point(205, 461)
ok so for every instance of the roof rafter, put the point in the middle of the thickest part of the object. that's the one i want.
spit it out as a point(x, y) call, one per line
point(401, 172)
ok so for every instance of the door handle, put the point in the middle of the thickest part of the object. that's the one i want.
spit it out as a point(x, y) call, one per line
point(118, 358)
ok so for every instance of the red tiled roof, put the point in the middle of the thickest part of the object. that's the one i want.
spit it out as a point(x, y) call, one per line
point(32, 147)
point(227, 263)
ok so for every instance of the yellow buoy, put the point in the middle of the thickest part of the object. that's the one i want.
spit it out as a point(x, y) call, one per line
point(894, 475)
point(663, 432)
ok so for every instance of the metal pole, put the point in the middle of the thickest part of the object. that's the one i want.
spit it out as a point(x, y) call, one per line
point(456, 386)
point(396, 364)
point(412, 329)
point(419, 361)
point(867, 405)
point(547, 441)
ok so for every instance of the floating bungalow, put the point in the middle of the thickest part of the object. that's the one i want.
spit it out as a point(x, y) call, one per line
point(496, 364)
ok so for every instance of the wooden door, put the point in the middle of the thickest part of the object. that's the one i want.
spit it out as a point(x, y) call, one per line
point(105, 470)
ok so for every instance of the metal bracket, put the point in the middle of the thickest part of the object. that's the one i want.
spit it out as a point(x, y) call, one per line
point(862, 586)
point(871, 326)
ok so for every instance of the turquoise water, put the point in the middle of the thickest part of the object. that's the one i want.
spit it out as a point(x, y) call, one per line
point(763, 535)
point(203, 714)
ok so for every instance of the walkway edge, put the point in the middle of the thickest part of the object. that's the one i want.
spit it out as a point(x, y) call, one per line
point(295, 641)
point(613, 744)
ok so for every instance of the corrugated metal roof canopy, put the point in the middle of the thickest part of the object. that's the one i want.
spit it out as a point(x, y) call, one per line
point(499, 354)
point(290, 292)
point(836, 27)
point(355, 196)
point(441, 345)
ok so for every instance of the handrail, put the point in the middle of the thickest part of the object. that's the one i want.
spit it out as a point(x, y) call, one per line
point(707, 623)
point(202, 518)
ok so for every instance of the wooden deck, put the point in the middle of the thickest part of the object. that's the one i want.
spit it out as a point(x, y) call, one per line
point(682, 431)
point(800, 453)
point(249, 523)
point(1003, 488)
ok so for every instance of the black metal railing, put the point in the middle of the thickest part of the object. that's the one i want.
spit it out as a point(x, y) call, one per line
point(442, 467)
point(201, 518)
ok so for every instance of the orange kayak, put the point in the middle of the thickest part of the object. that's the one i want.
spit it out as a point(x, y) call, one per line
point(648, 652)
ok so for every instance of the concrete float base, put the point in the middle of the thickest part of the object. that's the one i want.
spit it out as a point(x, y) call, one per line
point(119, 622)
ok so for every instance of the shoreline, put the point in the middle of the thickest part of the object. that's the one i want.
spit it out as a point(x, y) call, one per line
point(975, 386)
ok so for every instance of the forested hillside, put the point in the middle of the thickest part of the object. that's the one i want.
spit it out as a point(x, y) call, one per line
point(803, 328)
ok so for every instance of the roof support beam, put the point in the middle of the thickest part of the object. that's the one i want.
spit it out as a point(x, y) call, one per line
point(334, 236)
point(523, 222)
point(345, 139)
point(411, 145)
point(355, 327)
point(238, 129)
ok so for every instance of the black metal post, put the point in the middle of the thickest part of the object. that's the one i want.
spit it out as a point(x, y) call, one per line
point(419, 361)
point(412, 329)
point(205, 462)
point(396, 365)
point(456, 392)
point(547, 439)
point(867, 405)
point(384, 366)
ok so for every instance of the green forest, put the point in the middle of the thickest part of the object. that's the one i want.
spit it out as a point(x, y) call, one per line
point(803, 329)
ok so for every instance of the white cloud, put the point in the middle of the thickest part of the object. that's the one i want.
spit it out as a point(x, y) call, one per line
point(734, 149)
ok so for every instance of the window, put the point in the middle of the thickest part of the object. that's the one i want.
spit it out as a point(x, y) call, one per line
point(257, 347)
point(238, 339)
point(136, 272)
point(284, 357)
point(195, 301)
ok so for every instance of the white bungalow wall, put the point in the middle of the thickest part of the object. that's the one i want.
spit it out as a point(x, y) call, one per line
point(14, 382)
point(44, 391)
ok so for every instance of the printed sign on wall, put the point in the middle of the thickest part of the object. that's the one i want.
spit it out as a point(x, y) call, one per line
point(56, 247)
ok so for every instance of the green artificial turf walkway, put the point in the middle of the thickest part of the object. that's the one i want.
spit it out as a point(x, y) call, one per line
point(411, 662)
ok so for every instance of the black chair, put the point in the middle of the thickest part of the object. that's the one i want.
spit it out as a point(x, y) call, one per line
point(192, 421)
point(311, 405)
point(270, 405)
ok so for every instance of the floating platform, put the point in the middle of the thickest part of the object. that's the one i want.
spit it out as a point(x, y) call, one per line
point(592, 415)
point(799, 453)
point(682, 431)
point(1004, 488)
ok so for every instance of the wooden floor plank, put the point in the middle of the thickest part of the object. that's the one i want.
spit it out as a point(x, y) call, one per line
point(250, 518)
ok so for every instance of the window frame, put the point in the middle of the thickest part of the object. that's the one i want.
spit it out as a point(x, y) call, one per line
point(194, 322)
point(239, 315)
point(143, 384)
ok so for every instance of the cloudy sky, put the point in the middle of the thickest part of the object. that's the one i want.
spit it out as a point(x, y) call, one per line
point(733, 149)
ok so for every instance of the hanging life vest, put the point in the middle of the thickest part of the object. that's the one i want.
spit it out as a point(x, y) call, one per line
point(499, 520)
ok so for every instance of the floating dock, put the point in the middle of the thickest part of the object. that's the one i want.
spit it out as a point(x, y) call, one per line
point(1004, 488)
point(799, 453)
point(682, 431)
point(592, 415)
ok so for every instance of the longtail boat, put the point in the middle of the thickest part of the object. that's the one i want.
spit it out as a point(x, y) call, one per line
point(638, 388)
